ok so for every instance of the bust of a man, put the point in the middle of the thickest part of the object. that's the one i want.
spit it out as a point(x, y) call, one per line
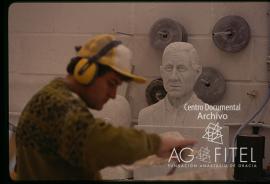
point(179, 71)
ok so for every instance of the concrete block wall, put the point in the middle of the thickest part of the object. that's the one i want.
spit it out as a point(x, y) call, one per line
point(42, 37)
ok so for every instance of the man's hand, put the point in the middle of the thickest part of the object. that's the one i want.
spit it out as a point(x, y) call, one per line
point(169, 142)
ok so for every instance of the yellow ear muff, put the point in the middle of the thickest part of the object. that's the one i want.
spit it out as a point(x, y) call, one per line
point(87, 76)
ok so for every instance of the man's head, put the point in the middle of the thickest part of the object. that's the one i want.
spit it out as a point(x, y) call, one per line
point(99, 68)
point(180, 69)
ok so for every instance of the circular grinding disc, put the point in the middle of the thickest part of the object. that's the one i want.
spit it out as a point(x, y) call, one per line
point(155, 91)
point(210, 86)
point(231, 33)
point(165, 31)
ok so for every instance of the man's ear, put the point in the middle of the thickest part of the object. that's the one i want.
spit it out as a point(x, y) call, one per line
point(161, 70)
point(199, 71)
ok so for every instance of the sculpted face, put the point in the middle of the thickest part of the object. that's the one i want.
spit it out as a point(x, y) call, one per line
point(178, 75)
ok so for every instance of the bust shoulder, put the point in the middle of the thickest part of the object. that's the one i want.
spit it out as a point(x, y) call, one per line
point(147, 113)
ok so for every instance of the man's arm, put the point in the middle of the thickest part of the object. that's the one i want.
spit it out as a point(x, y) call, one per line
point(108, 146)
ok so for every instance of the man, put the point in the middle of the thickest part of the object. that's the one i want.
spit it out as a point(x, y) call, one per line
point(179, 71)
point(58, 137)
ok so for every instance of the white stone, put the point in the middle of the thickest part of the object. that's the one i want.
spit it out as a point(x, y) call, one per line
point(116, 111)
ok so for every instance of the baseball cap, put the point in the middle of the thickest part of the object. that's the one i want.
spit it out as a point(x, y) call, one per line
point(118, 58)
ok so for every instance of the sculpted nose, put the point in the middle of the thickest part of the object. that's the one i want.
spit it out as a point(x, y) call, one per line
point(173, 74)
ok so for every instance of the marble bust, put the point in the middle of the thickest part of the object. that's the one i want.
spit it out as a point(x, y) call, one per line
point(179, 71)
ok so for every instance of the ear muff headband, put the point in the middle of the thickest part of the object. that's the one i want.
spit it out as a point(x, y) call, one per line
point(102, 52)
point(86, 69)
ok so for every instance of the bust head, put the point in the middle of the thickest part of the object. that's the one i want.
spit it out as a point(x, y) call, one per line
point(180, 69)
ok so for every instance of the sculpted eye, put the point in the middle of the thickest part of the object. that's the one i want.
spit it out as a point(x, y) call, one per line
point(181, 68)
point(168, 68)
